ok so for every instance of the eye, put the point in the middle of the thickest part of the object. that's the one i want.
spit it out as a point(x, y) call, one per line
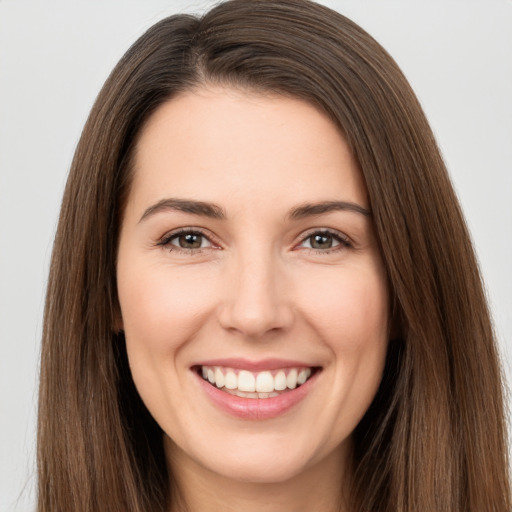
point(185, 240)
point(324, 241)
point(189, 240)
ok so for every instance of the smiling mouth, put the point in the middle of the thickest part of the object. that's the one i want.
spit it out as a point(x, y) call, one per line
point(264, 384)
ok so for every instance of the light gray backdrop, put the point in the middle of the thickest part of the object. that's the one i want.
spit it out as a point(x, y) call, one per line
point(54, 57)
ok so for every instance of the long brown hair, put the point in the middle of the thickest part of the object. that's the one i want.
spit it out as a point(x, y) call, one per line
point(434, 439)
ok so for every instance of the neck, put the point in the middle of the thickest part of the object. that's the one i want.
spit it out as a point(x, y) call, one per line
point(322, 487)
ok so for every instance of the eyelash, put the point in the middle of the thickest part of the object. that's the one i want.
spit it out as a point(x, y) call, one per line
point(343, 242)
point(165, 241)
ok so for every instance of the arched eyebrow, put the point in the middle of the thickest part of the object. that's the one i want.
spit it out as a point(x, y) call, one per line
point(311, 209)
point(214, 211)
point(201, 208)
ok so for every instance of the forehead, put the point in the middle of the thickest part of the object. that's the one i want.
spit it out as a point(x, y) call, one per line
point(220, 144)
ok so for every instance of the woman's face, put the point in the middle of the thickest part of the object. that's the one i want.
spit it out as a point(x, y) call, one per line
point(253, 296)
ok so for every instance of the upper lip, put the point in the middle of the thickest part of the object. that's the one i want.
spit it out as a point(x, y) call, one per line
point(254, 366)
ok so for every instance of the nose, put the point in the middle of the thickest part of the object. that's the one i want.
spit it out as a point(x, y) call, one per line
point(257, 300)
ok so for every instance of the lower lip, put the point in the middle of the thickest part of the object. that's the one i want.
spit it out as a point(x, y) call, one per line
point(257, 408)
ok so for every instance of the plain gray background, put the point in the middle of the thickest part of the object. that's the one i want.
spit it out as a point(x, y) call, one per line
point(54, 57)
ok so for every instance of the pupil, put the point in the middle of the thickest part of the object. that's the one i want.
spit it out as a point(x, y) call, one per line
point(321, 242)
point(190, 241)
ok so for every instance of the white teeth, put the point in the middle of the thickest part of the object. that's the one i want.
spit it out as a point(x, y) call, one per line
point(291, 379)
point(264, 382)
point(280, 381)
point(246, 381)
point(303, 376)
point(243, 394)
point(231, 380)
point(255, 385)
point(219, 378)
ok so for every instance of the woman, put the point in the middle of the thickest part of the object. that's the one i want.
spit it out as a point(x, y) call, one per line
point(263, 293)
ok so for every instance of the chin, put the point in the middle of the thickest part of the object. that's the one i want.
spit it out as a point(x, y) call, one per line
point(264, 470)
point(260, 459)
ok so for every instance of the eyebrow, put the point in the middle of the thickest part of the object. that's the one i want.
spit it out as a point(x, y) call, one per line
point(214, 211)
point(186, 206)
point(312, 209)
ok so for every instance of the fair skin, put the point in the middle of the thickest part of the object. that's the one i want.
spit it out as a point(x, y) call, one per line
point(247, 250)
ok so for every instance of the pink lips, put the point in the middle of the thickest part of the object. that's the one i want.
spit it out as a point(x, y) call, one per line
point(255, 408)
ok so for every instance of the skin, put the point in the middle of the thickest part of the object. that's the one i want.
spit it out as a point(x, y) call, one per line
point(255, 289)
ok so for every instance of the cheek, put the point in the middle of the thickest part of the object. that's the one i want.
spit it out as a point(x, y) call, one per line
point(350, 308)
point(350, 313)
point(161, 307)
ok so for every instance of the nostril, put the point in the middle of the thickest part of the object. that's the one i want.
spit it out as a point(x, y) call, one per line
point(255, 320)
